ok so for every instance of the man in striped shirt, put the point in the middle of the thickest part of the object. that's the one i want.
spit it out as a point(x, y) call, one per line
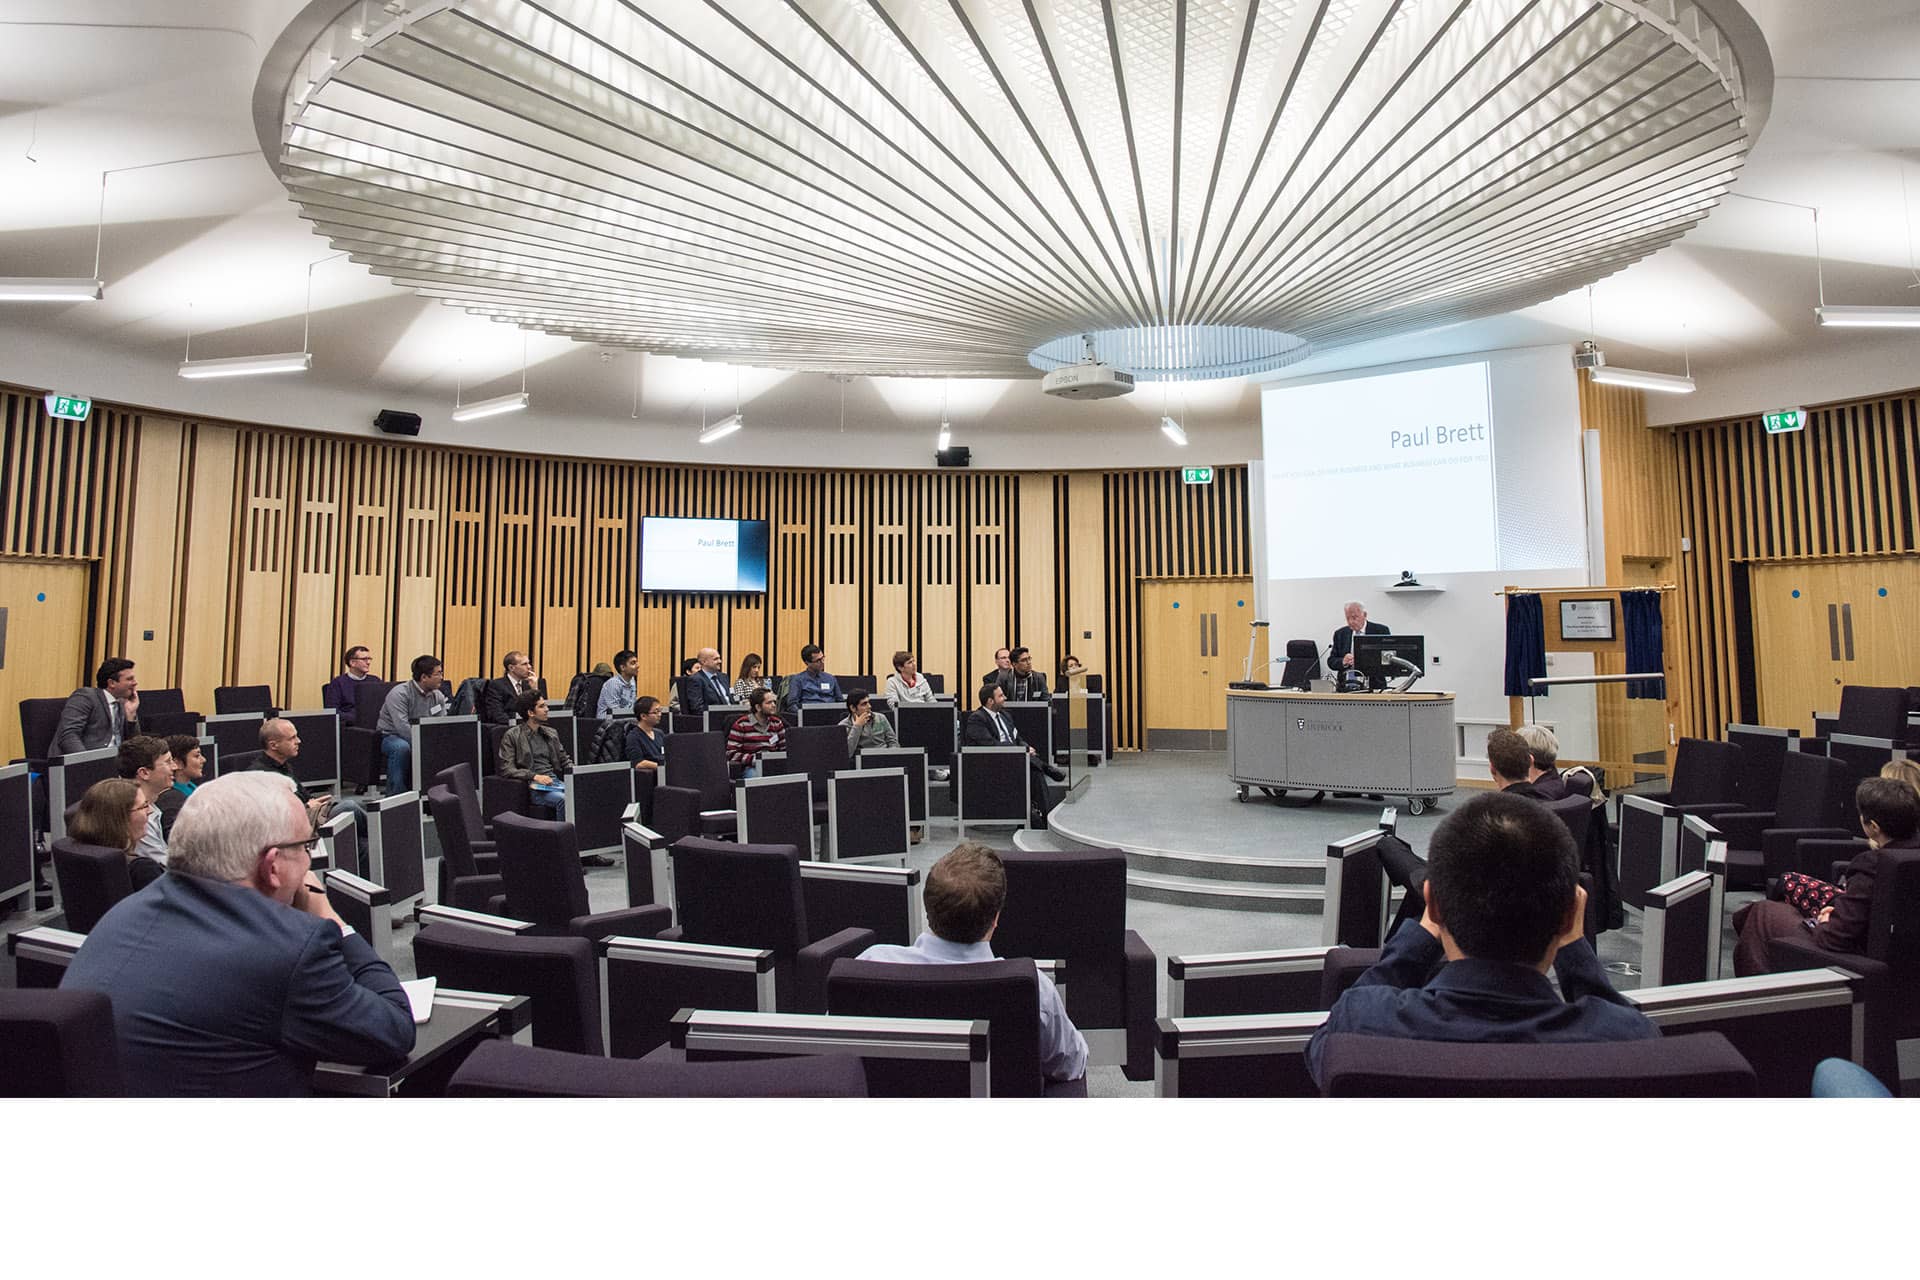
point(761, 729)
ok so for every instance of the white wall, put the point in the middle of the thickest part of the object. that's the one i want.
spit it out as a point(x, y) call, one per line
point(1543, 538)
point(1835, 364)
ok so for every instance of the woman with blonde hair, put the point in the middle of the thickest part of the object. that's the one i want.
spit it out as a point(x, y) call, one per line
point(113, 815)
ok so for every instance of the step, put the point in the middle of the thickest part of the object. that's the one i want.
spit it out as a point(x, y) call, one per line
point(1224, 895)
point(1183, 864)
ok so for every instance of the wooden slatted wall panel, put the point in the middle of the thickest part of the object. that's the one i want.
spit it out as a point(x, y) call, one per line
point(264, 552)
point(1847, 485)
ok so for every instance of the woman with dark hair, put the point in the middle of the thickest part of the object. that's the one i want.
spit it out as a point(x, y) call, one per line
point(760, 730)
point(189, 769)
point(1832, 917)
point(752, 679)
point(113, 815)
point(646, 746)
point(866, 727)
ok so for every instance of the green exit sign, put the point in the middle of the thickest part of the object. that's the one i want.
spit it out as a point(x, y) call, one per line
point(73, 408)
point(1197, 475)
point(1779, 420)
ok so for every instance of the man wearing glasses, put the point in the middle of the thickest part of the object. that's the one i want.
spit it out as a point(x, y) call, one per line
point(231, 975)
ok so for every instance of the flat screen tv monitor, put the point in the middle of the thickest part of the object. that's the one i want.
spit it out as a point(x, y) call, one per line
point(1378, 658)
point(702, 555)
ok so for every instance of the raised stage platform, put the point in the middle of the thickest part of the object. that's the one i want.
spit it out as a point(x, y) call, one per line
point(1190, 841)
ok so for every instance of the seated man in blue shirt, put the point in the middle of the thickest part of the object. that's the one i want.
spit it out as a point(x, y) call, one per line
point(1503, 905)
point(965, 891)
point(812, 684)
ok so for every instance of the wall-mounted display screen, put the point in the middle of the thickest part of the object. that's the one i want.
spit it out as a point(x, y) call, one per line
point(702, 555)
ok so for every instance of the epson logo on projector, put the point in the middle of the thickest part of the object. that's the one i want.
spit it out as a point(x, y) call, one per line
point(1437, 435)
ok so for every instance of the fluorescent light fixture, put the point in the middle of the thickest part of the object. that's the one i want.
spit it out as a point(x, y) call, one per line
point(725, 427)
point(946, 437)
point(1641, 379)
point(1868, 317)
point(48, 289)
point(1171, 430)
point(247, 366)
point(488, 408)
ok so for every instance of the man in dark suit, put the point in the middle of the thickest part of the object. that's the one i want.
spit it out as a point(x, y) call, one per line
point(1340, 652)
point(707, 685)
point(1509, 761)
point(1502, 905)
point(103, 716)
point(496, 700)
point(231, 975)
point(990, 726)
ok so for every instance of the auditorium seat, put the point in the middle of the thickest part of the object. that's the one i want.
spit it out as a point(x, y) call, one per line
point(1814, 791)
point(91, 880)
point(237, 762)
point(468, 880)
point(163, 713)
point(1576, 812)
point(1072, 908)
point(561, 976)
point(361, 760)
point(1890, 967)
point(540, 868)
point(502, 1069)
point(1303, 664)
point(1870, 711)
point(818, 751)
point(458, 779)
point(58, 1044)
point(1004, 993)
point(751, 896)
point(39, 722)
point(1763, 749)
point(698, 762)
point(243, 699)
point(1706, 777)
point(1682, 1066)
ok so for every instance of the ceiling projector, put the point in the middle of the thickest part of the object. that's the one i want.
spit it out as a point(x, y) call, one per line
point(1087, 381)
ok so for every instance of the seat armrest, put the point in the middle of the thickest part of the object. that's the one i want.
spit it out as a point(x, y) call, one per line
point(474, 893)
point(1342, 969)
point(811, 964)
point(1786, 955)
point(1880, 1048)
point(486, 864)
point(497, 905)
point(632, 922)
point(1707, 809)
point(1779, 846)
point(1742, 828)
point(484, 849)
point(1140, 993)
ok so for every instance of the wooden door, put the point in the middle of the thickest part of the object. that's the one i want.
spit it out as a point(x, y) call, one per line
point(44, 654)
point(1823, 624)
point(1193, 644)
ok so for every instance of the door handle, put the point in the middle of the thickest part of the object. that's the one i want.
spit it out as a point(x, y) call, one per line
point(1846, 628)
point(1833, 631)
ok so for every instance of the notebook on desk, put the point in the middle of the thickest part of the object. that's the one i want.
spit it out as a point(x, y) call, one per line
point(420, 996)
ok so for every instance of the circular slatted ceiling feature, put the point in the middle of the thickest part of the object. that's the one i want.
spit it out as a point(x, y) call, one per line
point(953, 187)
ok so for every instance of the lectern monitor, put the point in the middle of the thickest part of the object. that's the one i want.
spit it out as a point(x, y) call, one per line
point(1371, 656)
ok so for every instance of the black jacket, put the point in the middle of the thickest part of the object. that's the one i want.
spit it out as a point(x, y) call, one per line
point(1343, 644)
point(701, 692)
point(979, 730)
point(496, 700)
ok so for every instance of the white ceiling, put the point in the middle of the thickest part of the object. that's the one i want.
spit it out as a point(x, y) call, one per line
point(216, 247)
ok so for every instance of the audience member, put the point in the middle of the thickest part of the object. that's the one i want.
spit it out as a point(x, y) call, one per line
point(232, 975)
point(531, 752)
point(1543, 750)
point(147, 764)
point(646, 746)
point(411, 700)
point(1503, 904)
point(811, 683)
point(965, 892)
point(1020, 680)
point(990, 726)
point(677, 698)
point(113, 814)
point(1002, 661)
point(343, 691)
point(1832, 917)
point(1510, 761)
point(1905, 770)
point(496, 700)
point(189, 766)
point(103, 716)
point(279, 747)
point(760, 730)
point(752, 679)
point(707, 686)
point(618, 693)
point(866, 727)
point(906, 684)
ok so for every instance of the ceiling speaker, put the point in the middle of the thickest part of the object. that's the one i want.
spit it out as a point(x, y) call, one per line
point(398, 422)
point(958, 456)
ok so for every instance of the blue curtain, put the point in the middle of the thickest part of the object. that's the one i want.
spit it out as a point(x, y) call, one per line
point(1645, 652)
point(1526, 646)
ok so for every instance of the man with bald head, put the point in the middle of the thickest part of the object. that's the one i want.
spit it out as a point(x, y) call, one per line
point(231, 975)
point(707, 686)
